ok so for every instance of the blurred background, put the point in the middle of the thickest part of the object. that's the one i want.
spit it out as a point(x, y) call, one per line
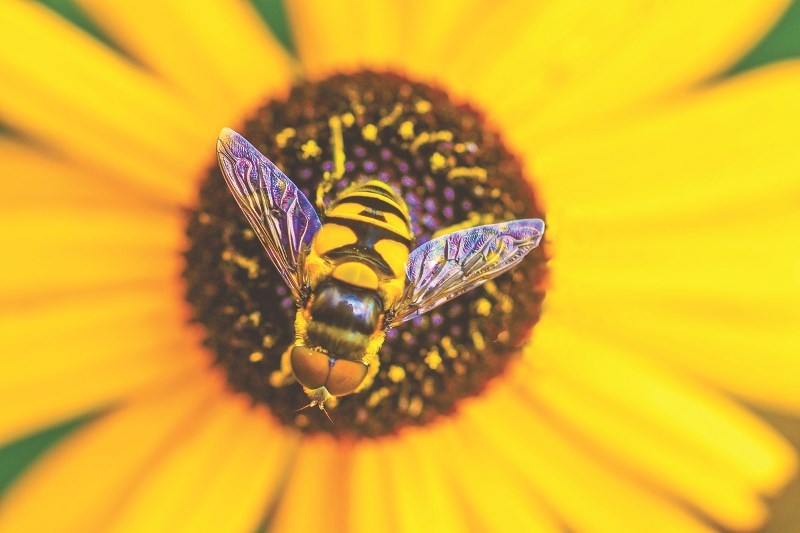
point(781, 43)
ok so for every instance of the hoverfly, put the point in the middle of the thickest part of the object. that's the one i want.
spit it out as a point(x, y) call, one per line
point(355, 275)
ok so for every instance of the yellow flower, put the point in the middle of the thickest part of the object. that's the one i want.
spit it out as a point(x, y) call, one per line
point(672, 205)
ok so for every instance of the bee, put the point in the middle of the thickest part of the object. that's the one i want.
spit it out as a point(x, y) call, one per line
point(353, 270)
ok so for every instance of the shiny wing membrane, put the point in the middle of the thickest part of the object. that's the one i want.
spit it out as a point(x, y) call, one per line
point(453, 264)
point(281, 215)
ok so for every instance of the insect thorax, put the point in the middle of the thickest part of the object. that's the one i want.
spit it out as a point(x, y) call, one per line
point(343, 318)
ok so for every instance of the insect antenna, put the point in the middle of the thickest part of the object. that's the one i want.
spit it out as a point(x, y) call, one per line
point(322, 408)
point(312, 404)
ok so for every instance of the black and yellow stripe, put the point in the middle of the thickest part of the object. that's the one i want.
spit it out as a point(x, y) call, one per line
point(356, 270)
point(373, 204)
point(342, 319)
point(368, 223)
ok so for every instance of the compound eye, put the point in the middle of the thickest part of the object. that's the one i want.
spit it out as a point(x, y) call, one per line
point(310, 367)
point(345, 377)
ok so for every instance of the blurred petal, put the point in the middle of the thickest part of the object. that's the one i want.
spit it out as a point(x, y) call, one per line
point(683, 222)
point(57, 270)
point(723, 263)
point(568, 62)
point(662, 462)
point(588, 495)
point(257, 468)
point(422, 492)
point(719, 298)
point(346, 35)
point(490, 495)
point(70, 92)
point(60, 246)
point(106, 459)
point(371, 496)
point(221, 475)
point(318, 479)
point(259, 461)
point(732, 143)
point(67, 228)
point(758, 361)
point(225, 59)
point(83, 353)
point(439, 30)
point(36, 179)
point(704, 426)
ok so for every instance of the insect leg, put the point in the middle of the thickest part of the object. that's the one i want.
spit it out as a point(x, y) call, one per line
point(371, 359)
point(284, 376)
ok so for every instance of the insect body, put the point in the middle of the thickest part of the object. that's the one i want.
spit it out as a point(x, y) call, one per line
point(356, 275)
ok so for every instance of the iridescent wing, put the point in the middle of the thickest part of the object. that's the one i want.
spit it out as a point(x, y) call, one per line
point(281, 215)
point(450, 265)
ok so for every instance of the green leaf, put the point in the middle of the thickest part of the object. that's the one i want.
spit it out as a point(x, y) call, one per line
point(17, 456)
point(783, 42)
point(274, 14)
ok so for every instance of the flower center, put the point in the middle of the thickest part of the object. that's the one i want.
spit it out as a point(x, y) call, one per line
point(453, 173)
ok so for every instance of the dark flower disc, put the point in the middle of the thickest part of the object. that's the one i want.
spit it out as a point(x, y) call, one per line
point(453, 172)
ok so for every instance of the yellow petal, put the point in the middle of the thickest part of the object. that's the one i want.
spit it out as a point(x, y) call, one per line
point(221, 474)
point(44, 273)
point(40, 325)
point(587, 494)
point(66, 229)
point(664, 461)
point(315, 495)
point(730, 144)
point(756, 360)
point(735, 266)
point(258, 467)
point(82, 353)
point(548, 66)
point(739, 270)
point(491, 495)
point(672, 46)
point(54, 247)
point(33, 178)
point(421, 490)
point(719, 298)
point(346, 35)
point(682, 226)
point(433, 30)
point(69, 229)
point(80, 483)
point(225, 59)
point(64, 88)
point(709, 428)
point(746, 255)
point(370, 496)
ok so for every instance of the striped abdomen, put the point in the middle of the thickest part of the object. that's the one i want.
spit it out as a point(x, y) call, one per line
point(369, 224)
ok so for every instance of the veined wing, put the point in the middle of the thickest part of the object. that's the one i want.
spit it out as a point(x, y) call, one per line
point(281, 215)
point(450, 265)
